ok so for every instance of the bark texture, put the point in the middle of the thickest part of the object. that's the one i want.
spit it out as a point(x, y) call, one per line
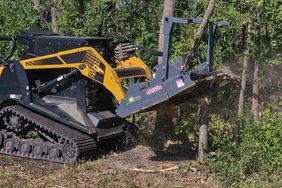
point(243, 86)
point(255, 95)
point(255, 100)
point(166, 121)
point(169, 6)
point(55, 14)
point(203, 130)
point(244, 74)
point(199, 35)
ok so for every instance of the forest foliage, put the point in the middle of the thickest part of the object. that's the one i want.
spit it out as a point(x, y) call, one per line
point(250, 156)
point(239, 152)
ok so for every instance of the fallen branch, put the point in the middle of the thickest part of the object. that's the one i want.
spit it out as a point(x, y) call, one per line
point(153, 171)
point(230, 75)
point(58, 186)
point(27, 178)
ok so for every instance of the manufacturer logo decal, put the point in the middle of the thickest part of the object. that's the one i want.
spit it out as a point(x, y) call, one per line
point(154, 89)
point(133, 99)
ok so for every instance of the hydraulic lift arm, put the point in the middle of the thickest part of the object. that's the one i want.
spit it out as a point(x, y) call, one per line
point(87, 60)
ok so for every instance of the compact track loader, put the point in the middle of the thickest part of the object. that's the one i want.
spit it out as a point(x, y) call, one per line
point(67, 95)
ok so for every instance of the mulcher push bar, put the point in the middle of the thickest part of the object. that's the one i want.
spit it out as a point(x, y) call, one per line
point(168, 25)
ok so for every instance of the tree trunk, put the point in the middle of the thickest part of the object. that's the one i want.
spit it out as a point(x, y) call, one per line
point(203, 131)
point(168, 10)
point(54, 15)
point(255, 103)
point(198, 37)
point(243, 85)
point(166, 120)
point(255, 96)
point(166, 117)
point(244, 73)
point(204, 104)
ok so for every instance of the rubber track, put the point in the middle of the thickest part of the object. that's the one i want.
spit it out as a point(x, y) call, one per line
point(84, 144)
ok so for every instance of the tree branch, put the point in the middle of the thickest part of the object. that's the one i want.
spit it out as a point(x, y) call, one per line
point(199, 34)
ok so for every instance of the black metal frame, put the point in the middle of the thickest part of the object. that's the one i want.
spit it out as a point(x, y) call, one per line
point(13, 49)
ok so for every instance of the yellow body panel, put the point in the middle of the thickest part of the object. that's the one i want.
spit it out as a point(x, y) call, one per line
point(89, 57)
point(134, 62)
point(1, 69)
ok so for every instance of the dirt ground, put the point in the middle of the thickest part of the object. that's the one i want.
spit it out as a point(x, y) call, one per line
point(138, 167)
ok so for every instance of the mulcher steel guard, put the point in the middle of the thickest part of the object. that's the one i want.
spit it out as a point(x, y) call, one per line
point(171, 83)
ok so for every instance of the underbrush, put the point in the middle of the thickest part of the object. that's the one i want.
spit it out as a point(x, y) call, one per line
point(248, 154)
